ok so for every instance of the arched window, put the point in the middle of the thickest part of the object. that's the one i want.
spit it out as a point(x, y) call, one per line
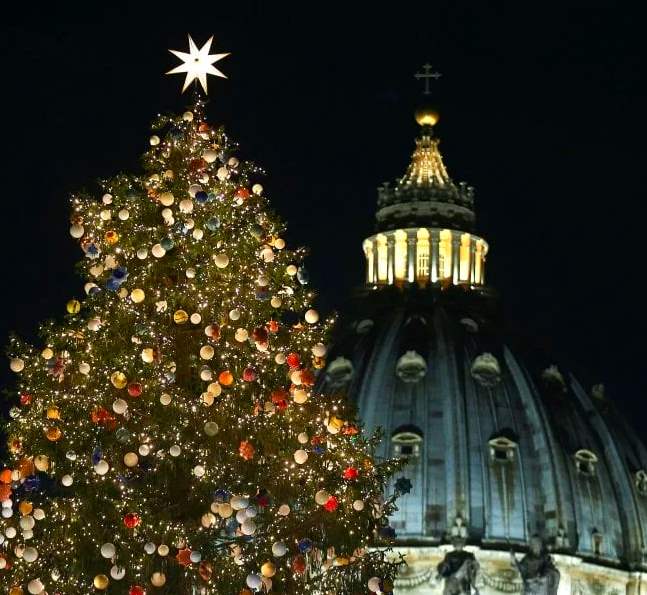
point(585, 462)
point(503, 446)
point(406, 442)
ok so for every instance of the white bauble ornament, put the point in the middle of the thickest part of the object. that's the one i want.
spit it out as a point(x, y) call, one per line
point(175, 450)
point(154, 140)
point(279, 243)
point(47, 353)
point(234, 314)
point(105, 214)
point(195, 318)
point(263, 281)
point(374, 584)
point(158, 251)
point(186, 205)
point(27, 523)
point(17, 365)
point(214, 389)
point(117, 572)
point(35, 587)
point(197, 234)
point(358, 505)
point(206, 374)
point(106, 199)
point(208, 520)
point(7, 513)
point(300, 456)
point(77, 231)
point(165, 399)
point(187, 116)
point(241, 515)
point(10, 532)
point(319, 350)
point(321, 497)
point(167, 214)
point(295, 377)
point(253, 581)
point(284, 510)
point(144, 450)
point(167, 199)
point(291, 270)
point(108, 550)
point(94, 324)
point(30, 554)
point(303, 438)
point(148, 355)
point(225, 510)
point(102, 467)
point(163, 550)
point(190, 273)
point(123, 214)
point(194, 189)
point(142, 253)
point(221, 260)
point(207, 352)
point(195, 557)
point(131, 459)
point(210, 155)
point(312, 316)
point(149, 547)
point(67, 480)
point(158, 579)
point(211, 428)
point(257, 189)
point(120, 406)
point(39, 514)
point(198, 471)
point(222, 173)
point(239, 502)
point(241, 335)
point(279, 549)
point(280, 358)
point(267, 254)
point(84, 368)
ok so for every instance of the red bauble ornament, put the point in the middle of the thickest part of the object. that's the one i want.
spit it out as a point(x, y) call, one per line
point(184, 557)
point(249, 374)
point(273, 326)
point(131, 520)
point(298, 564)
point(136, 590)
point(307, 377)
point(331, 504)
point(204, 127)
point(293, 360)
point(246, 450)
point(134, 389)
point(259, 334)
point(205, 571)
point(350, 473)
point(25, 399)
point(242, 194)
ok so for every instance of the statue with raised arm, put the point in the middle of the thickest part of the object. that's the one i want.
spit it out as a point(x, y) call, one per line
point(459, 568)
point(537, 569)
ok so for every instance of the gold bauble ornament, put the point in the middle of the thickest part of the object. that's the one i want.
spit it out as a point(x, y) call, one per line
point(53, 434)
point(41, 462)
point(101, 582)
point(118, 380)
point(53, 412)
point(268, 569)
point(47, 353)
point(137, 295)
point(180, 317)
point(73, 306)
point(158, 579)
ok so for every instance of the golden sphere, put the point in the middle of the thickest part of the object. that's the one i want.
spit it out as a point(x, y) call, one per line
point(118, 380)
point(101, 582)
point(427, 116)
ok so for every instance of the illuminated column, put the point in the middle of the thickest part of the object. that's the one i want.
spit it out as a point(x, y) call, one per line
point(412, 240)
point(471, 267)
point(390, 259)
point(435, 239)
point(375, 260)
point(483, 268)
point(456, 257)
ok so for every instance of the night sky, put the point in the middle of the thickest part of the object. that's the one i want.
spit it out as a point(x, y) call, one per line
point(542, 111)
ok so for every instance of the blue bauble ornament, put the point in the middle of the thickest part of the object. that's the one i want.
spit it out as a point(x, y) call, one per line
point(201, 196)
point(94, 290)
point(303, 276)
point(123, 435)
point(319, 449)
point(97, 455)
point(167, 244)
point(120, 274)
point(231, 526)
point(92, 251)
point(213, 224)
point(112, 284)
point(221, 495)
point(31, 483)
point(305, 545)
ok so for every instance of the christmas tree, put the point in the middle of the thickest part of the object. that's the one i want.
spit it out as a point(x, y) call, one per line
point(168, 437)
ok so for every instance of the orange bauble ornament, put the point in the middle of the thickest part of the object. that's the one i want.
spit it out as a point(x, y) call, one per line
point(53, 434)
point(112, 237)
point(25, 508)
point(184, 557)
point(5, 476)
point(246, 450)
point(5, 492)
point(226, 378)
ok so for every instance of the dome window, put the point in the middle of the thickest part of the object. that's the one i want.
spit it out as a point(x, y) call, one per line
point(503, 446)
point(411, 367)
point(640, 481)
point(339, 372)
point(486, 370)
point(406, 442)
point(585, 462)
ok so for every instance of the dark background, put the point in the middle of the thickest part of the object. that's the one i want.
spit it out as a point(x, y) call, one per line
point(542, 110)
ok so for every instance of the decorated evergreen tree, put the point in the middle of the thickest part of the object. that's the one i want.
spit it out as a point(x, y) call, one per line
point(168, 438)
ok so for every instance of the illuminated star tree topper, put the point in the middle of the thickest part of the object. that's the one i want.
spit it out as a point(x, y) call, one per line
point(197, 64)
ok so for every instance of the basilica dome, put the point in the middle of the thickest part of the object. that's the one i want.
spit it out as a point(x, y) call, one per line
point(500, 446)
